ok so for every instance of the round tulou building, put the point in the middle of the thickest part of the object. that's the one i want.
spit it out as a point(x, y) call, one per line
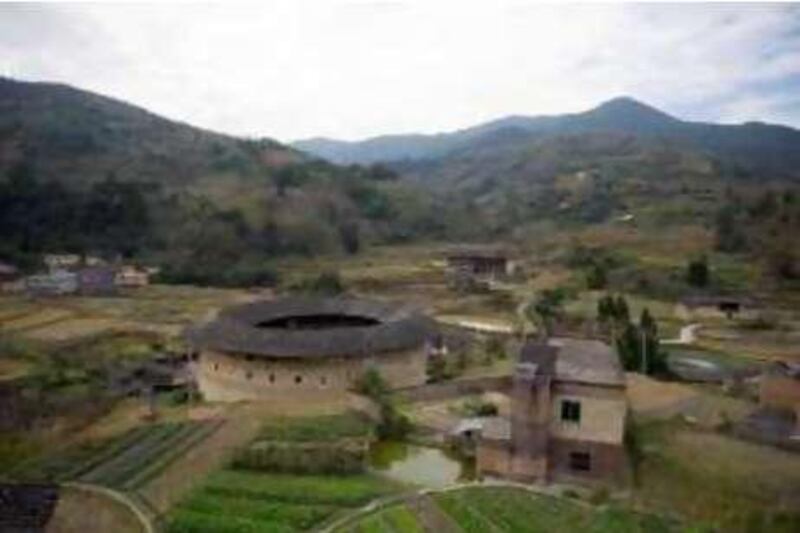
point(306, 348)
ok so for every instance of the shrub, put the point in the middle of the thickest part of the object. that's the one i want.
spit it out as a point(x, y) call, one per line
point(596, 277)
point(697, 273)
point(479, 407)
point(599, 496)
point(325, 284)
point(344, 457)
point(437, 368)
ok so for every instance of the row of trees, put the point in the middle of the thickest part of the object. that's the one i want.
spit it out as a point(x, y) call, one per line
point(637, 343)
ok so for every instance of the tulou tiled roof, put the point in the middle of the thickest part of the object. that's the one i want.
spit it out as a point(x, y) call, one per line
point(236, 329)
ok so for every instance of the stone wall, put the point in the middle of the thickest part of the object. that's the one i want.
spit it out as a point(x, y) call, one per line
point(234, 377)
point(453, 389)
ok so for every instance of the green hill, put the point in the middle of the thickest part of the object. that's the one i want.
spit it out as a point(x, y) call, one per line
point(755, 147)
point(82, 172)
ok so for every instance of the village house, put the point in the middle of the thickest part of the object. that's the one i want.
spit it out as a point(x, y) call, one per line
point(96, 280)
point(701, 306)
point(94, 261)
point(487, 262)
point(777, 420)
point(56, 283)
point(779, 389)
point(56, 262)
point(129, 276)
point(568, 410)
point(10, 278)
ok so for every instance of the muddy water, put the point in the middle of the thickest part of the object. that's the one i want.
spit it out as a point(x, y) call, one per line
point(419, 465)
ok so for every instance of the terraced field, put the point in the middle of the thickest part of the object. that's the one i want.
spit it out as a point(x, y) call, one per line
point(125, 462)
point(397, 518)
point(233, 501)
point(503, 509)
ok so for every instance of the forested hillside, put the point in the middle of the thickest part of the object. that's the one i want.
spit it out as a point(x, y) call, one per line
point(82, 172)
point(756, 148)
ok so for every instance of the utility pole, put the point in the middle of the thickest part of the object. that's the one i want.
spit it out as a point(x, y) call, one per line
point(644, 351)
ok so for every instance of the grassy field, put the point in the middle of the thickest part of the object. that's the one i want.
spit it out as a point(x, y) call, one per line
point(161, 309)
point(237, 501)
point(718, 480)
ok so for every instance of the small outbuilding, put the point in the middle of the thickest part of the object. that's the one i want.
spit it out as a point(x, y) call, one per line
point(700, 306)
point(57, 262)
point(488, 262)
point(129, 276)
point(10, 278)
point(780, 388)
point(96, 280)
point(56, 283)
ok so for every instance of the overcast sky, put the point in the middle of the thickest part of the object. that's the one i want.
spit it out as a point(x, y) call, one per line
point(350, 70)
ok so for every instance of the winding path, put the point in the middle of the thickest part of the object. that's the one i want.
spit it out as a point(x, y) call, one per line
point(687, 335)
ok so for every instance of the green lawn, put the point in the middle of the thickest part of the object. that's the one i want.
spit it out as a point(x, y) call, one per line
point(234, 501)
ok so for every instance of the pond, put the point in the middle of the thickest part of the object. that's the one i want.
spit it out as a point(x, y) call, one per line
point(419, 465)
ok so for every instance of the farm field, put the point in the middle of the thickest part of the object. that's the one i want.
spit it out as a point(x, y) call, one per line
point(161, 309)
point(716, 479)
point(232, 501)
point(503, 509)
point(395, 518)
point(124, 462)
point(316, 428)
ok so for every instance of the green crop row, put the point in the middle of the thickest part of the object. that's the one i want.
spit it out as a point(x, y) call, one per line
point(319, 428)
point(234, 501)
point(343, 457)
point(516, 511)
point(199, 432)
point(121, 467)
point(344, 491)
point(395, 519)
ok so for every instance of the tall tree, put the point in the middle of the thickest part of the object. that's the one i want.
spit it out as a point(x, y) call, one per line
point(697, 272)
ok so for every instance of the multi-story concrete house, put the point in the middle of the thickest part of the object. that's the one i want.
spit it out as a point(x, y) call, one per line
point(568, 410)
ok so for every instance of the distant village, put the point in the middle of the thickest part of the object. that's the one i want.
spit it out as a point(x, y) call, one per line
point(65, 274)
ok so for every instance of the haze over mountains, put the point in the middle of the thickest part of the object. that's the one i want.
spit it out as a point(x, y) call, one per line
point(755, 146)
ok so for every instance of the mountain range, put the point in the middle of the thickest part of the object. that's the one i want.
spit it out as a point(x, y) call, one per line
point(753, 146)
point(83, 172)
